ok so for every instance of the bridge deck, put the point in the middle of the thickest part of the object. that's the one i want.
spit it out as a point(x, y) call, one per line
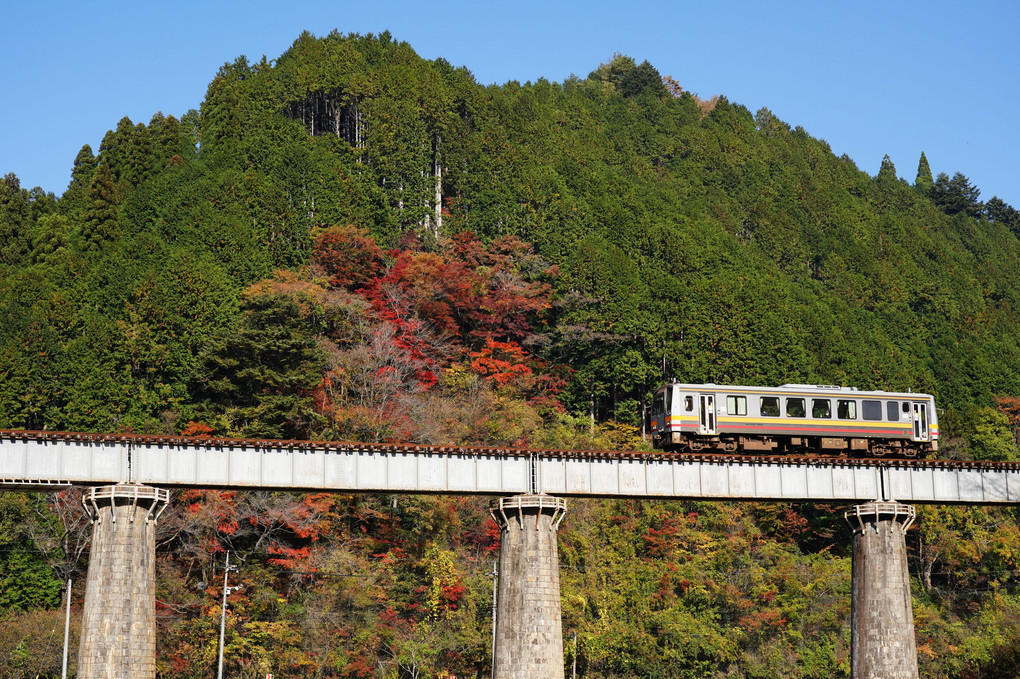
point(54, 459)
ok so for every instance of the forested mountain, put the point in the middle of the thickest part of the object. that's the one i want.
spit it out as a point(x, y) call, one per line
point(351, 242)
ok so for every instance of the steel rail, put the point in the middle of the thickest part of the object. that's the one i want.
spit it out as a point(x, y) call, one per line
point(427, 449)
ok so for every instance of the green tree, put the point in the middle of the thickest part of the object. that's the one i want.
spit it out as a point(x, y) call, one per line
point(51, 235)
point(887, 171)
point(630, 79)
point(14, 220)
point(221, 117)
point(257, 379)
point(27, 582)
point(82, 172)
point(990, 436)
point(956, 195)
point(100, 219)
point(923, 181)
point(139, 160)
point(1001, 212)
point(170, 146)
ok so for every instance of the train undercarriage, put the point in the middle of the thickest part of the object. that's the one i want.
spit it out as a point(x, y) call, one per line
point(797, 445)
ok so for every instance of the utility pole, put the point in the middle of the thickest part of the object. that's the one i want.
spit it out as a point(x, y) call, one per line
point(574, 674)
point(223, 614)
point(67, 629)
point(495, 580)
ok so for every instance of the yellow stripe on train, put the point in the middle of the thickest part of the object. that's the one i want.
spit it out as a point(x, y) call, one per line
point(812, 421)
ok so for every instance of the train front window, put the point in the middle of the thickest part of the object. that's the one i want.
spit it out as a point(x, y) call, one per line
point(669, 399)
point(846, 410)
point(821, 408)
point(658, 407)
point(736, 405)
point(871, 410)
point(770, 406)
point(795, 407)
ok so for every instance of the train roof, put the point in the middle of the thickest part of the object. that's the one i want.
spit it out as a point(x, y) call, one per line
point(810, 389)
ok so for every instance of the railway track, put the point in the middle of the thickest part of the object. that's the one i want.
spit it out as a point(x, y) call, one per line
point(212, 442)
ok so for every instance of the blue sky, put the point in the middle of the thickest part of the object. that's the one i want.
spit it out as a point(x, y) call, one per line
point(871, 78)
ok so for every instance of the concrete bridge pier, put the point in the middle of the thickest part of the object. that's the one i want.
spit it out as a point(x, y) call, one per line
point(882, 644)
point(529, 632)
point(118, 629)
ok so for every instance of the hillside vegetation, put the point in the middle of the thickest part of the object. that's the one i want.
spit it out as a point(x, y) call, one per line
point(350, 242)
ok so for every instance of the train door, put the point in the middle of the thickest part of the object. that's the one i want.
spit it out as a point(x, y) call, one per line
point(659, 410)
point(706, 423)
point(920, 421)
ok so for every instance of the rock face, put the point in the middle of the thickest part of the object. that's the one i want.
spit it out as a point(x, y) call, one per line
point(529, 634)
point(882, 621)
point(118, 637)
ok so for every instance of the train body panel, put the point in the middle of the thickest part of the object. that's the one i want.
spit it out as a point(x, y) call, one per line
point(794, 417)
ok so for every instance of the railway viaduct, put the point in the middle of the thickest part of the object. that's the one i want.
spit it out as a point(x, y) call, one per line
point(129, 477)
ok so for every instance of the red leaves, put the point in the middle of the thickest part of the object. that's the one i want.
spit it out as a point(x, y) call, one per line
point(360, 666)
point(514, 292)
point(349, 256)
point(1010, 406)
point(467, 290)
point(662, 541)
point(289, 557)
point(760, 620)
point(465, 308)
point(450, 596)
point(500, 362)
point(494, 534)
point(672, 535)
point(228, 527)
point(485, 538)
point(196, 429)
point(390, 325)
point(287, 525)
point(391, 557)
point(426, 286)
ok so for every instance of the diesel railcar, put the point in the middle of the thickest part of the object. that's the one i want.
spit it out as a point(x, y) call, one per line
point(794, 418)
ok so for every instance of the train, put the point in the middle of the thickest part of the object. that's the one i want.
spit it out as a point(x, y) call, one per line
point(808, 419)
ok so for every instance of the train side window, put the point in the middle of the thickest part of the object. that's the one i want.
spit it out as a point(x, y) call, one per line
point(871, 410)
point(821, 408)
point(892, 411)
point(770, 406)
point(795, 407)
point(669, 399)
point(688, 403)
point(846, 410)
point(736, 405)
point(906, 407)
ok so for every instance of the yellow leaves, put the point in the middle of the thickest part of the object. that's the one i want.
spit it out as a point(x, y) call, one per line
point(288, 284)
point(445, 589)
point(926, 650)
